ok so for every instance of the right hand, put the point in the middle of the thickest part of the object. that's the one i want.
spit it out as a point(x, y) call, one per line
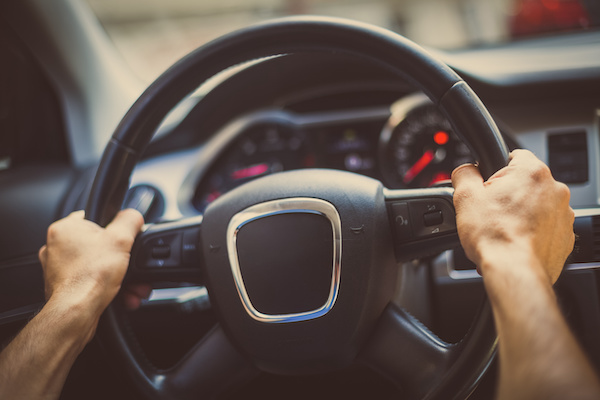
point(520, 211)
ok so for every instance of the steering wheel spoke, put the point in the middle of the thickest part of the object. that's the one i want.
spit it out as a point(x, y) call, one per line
point(423, 221)
point(405, 351)
point(167, 252)
point(211, 367)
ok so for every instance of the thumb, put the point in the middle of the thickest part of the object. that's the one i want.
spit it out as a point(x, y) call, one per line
point(466, 176)
point(127, 222)
point(467, 180)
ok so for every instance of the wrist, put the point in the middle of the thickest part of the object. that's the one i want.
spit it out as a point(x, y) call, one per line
point(506, 267)
point(79, 312)
point(507, 258)
point(90, 294)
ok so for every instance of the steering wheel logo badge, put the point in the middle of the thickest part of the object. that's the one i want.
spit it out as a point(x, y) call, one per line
point(285, 256)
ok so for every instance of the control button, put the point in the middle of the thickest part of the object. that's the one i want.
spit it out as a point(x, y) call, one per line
point(152, 263)
point(401, 220)
point(190, 246)
point(433, 218)
point(161, 252)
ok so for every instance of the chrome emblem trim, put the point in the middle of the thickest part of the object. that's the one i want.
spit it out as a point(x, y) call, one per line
point(286, 206)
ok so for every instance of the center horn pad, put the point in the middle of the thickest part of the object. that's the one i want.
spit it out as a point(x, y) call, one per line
point(285, 258)
point(299, 266)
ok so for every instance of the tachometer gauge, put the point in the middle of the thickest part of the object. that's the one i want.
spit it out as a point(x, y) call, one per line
point(418, 147)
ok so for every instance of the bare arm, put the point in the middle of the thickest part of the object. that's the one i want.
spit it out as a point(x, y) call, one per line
point(84, 266)
point(518, 228)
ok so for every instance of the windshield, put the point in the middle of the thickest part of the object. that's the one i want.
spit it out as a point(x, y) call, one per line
point(152, 35)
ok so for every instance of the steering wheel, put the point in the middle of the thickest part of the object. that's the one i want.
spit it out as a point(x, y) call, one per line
point(300, 266)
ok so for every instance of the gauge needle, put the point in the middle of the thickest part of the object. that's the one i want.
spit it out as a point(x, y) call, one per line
point(249, 172)
point(417, 167)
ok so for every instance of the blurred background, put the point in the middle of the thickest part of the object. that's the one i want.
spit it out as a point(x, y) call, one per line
point(152, 34)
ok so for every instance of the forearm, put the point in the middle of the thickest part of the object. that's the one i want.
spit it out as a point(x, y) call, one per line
point(37, 362)
point(83, 266)
point(539, 357)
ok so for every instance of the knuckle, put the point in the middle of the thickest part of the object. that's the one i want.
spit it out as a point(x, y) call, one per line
point(540, 172)
point(133, 216)
point(54, 230)
point(571, 215)
point(518, 152)
point(122, 240)
point(521, 154)
point(563, 190)
point(42, 254)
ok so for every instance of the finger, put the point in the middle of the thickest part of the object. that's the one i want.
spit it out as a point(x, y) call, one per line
point(127, 221)
point(466, 175)
point(134, 294)
point(42, 255)
point(519, 160)
point(522, 156)
point(516, 158)
point(131, 302)
point(141, 290)
point(80, 214)
point(499, 174)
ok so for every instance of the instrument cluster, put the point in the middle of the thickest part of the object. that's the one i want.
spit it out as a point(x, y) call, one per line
point(408, 145)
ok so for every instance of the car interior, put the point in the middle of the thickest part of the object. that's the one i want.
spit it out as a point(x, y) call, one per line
point(291, 115)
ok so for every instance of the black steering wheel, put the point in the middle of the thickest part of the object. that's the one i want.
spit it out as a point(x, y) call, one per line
point(300, 266)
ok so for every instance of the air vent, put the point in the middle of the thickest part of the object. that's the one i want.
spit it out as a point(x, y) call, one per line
point(461, 262)
point(568, 156)
point(596, 237)
point(587, 240)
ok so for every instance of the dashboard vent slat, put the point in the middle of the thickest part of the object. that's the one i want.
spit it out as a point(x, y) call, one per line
point(596, 237)
point(568, 156)
point(587, 240)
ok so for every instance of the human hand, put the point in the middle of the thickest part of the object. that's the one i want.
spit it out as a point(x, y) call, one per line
point(134, 293)
point(84, 262)
point(520, 213)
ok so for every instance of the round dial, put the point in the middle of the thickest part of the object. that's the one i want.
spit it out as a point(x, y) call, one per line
point(419, 148)
point(261, 149)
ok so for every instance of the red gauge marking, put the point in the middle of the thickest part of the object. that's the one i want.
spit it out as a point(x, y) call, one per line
point(416, 169)
point(213, 196)
point(440, 176)
point(309, 161)
point(441, 138)
point(250, 172)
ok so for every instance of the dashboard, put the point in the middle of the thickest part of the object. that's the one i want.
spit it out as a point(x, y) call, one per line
point(335, 111)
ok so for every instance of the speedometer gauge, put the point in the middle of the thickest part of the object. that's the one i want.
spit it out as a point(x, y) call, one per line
point(418, 146)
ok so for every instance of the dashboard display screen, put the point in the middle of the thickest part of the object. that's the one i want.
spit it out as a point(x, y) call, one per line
point(351, 147)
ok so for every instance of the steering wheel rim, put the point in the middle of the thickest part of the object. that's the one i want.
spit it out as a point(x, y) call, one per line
point(443, 86)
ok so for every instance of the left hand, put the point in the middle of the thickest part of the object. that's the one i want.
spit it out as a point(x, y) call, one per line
point(84, 260)
point(134, 293)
